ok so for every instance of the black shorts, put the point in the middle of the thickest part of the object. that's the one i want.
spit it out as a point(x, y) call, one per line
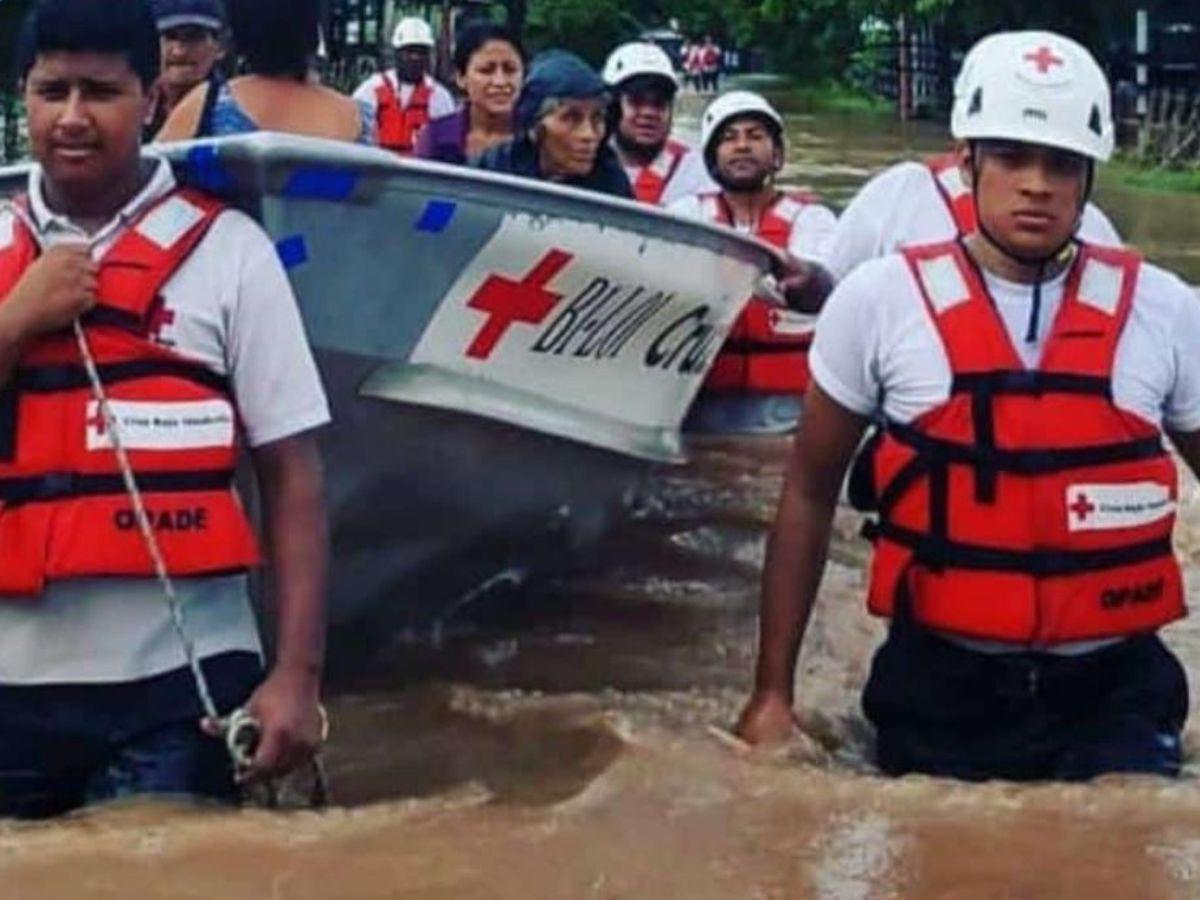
point(941, 709)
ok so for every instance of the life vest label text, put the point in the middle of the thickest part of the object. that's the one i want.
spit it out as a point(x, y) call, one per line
point(1104, 507)
point(190, 425)
point(186, 519)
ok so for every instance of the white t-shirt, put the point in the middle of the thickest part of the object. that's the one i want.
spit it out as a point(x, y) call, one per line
point(876, 348)
point(690, 176)
point(902, 207)
point(233, 310)
point(811, 233)
point(441, 103)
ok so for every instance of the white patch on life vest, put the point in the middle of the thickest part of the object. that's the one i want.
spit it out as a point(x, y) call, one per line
point(188, 425)
point(1102, 507)
point(171, 221)
point(8, 224)
point(790, 323)
point(944, 283)
point(1100, 286)
point(952, 180)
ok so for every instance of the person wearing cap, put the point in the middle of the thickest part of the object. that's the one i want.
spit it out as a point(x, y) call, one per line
point(189, 33)
point(662, 169)
point(918, 202)
point(188, 315)
point(1022, 493)
point(403, 99)
point(561, 129)
point(276, 41)
point(744, 148)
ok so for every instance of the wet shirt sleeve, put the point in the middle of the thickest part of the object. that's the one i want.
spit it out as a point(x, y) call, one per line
point(813, 234)
point(275, 381)
point(842, 357)
point(1182, 408)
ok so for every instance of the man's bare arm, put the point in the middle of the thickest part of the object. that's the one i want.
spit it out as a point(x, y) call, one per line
point(796, 552)
point(292, 486)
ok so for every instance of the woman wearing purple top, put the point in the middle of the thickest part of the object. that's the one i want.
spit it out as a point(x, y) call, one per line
point(490, 65)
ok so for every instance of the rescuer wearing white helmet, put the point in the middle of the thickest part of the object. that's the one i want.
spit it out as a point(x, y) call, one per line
point(742, 140)
point(661, 168)
point(405, 98)
point(916, 202)
point(1022, 494)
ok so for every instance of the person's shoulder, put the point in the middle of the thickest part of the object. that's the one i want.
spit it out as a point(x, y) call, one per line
point(899, 176)
point(1162, 290)
point(878, 276)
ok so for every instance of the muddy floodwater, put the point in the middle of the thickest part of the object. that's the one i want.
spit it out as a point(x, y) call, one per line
point(571, 742)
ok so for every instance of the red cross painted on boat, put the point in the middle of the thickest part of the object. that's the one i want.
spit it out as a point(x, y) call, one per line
point(507, 302)
point(1044, 59)
point(1082, 507)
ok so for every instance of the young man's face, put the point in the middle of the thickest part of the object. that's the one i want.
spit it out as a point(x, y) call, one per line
point(645, 118)
point(412, 63)
point(85, 115)
point(1029, 196)
point(747, 154)
point(189, 53)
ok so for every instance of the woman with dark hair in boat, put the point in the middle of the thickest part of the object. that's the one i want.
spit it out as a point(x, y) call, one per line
point(489, 61)
point(277, 40)
point(561, 130)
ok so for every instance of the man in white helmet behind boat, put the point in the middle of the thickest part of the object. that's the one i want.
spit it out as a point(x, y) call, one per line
point(918, 202)
point(405, 98)
point(661, 169)
point(766, 353)
point(1023, 495)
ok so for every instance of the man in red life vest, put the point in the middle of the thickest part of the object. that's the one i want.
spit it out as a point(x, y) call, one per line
point(661, 169)
point(921, 202)
point(197, 337)
point(764, 361)
point(1023, 493)
point(405, 98)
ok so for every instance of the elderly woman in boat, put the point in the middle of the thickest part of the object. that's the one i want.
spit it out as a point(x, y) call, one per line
point(489, 61)
point(561, 129)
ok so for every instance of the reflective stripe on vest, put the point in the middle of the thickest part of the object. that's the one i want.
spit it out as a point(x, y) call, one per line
point(1028, 508)
point(954, 192)
point(64, 512)
point(767, 348)
point(399, 125)
point(650, 182)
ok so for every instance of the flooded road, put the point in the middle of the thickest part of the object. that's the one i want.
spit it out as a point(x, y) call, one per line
point(572, 742)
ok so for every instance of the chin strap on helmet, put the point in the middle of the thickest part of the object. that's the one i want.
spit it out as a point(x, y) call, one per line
point(1041, 261)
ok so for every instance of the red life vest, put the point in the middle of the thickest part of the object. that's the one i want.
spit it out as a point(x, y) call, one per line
point(954, 191)
point(64, 512)
point(1028, 508)
point(767, 348)
point(399, 125)
point(650, 182)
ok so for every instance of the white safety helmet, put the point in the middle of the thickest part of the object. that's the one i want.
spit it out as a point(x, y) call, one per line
point(1037, 87)
point(638, 58)
point(412, 32)
point(731, 105)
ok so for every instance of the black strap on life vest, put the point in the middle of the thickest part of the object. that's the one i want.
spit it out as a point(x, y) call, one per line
point(933, 457)
point(67, 485)
point(53, 379)
point(937, 552)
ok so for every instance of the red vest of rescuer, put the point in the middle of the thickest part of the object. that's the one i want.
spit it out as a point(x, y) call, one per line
point(1028, 508)
point(650, 182)
point(767, 348)
point(955, 192)
point(64, 510)
point(399, 125)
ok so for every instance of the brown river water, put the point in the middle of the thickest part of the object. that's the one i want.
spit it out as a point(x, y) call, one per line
point(572, 743)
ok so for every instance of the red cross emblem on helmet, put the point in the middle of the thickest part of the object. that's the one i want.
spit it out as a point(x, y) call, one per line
point(1044, 59)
